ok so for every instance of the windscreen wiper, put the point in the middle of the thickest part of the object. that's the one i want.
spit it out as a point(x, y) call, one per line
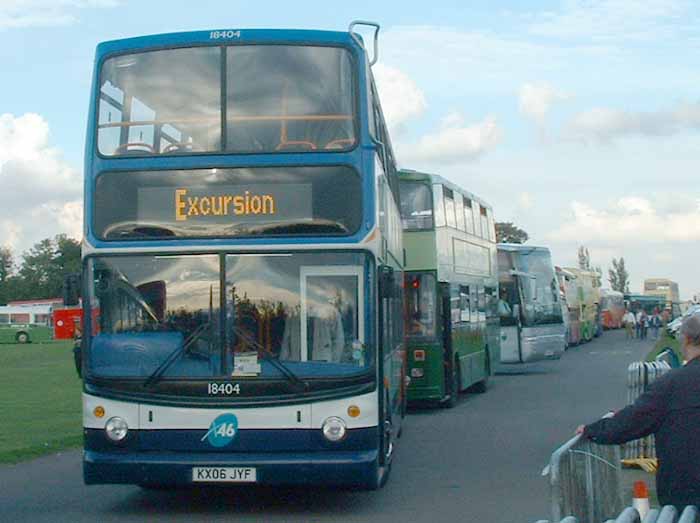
point(174, 355)
point(317, 226)
point(140, 230)
point(286, 371)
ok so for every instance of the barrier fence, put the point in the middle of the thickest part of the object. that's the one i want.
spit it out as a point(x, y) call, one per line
point(640, 374)
point(667, 514)
point(585, 481)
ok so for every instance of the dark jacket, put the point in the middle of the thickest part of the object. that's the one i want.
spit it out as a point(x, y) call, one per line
point(670, 409)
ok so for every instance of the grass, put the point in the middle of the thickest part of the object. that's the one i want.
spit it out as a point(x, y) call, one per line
point(665, 341)
point(40, 400)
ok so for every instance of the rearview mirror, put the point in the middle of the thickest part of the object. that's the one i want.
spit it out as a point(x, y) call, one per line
point(71, 289)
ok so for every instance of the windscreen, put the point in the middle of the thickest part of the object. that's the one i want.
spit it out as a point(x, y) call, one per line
point(539, 288)
point(163, 315)
point(421, 305)
point(416, 206)
point(227, 203)
point(276, 98)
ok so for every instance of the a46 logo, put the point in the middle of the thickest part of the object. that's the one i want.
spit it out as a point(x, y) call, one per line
point(222, 430)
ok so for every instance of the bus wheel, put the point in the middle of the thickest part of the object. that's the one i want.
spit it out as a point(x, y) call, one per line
point(22, 337)
point(481, 387)
point(456, 383)
point(387, 448)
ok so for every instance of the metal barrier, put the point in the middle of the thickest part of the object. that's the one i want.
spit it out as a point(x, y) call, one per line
point(584, 479)
point(667, 514)
point(640, 375)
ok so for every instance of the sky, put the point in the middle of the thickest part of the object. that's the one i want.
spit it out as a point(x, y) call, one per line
point(578, 120)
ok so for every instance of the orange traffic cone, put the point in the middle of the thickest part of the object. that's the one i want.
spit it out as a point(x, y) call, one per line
point(640, 498)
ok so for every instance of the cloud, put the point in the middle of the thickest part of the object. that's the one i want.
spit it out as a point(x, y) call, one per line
point(455, 141)
point(535, 101)
point(607, 20)
point(631, 220)
point(485, 61)
point(526, 201)
point(41, 193)
point(402, 100)
point(45, 13)
point(604, 125)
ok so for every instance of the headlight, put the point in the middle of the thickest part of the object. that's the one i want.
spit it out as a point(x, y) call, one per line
point(116, 428)
point(334, 429)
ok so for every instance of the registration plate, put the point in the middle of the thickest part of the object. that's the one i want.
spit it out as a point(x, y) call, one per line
point(224, 474)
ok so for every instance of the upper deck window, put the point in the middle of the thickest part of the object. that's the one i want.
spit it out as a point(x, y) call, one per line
point(160, 102)
point(449, 207)
point(278, 98)
point(416, 206)
point(288, 98)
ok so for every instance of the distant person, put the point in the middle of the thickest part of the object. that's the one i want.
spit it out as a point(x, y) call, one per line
point(645, 325)
point(669, 409)
point(638, 323)
point(655, 324)
point(629, 322)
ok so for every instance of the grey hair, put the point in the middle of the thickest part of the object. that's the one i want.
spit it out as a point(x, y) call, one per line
point(690, 327)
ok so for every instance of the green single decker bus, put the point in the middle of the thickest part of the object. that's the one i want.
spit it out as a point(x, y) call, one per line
point(451, 288)
point(21, 324)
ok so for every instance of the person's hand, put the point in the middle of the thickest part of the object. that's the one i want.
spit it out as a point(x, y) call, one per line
point(580, 429)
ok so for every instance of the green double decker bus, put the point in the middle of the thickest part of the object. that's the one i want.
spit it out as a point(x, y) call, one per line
point(451, 288)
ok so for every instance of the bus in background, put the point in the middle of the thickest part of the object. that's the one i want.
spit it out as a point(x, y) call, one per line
point(637, 302)
point(242, 263)
point(532, 324)
point(612, 308)
point(588, 286)
point(67, 323)
point(25, 323)
point(567, 288)
point(451, 288)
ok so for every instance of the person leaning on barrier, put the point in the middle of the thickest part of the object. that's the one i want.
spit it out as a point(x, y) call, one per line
point(669, 409)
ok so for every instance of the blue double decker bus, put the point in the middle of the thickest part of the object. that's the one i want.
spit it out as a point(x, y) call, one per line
point(242, 263)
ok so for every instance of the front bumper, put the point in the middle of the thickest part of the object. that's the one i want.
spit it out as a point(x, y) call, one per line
point(338, 468)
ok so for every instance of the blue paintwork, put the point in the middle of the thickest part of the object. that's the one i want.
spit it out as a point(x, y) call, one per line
point(139, 354)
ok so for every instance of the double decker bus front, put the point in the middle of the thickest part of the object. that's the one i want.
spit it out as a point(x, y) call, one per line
point(231, 307)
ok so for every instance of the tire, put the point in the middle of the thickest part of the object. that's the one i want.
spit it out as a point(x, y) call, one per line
point(22, 337)
point(454, 389)
point(383, 471)
point(483, 385)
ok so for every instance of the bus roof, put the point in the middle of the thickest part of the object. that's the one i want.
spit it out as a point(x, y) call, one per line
point(410, 174)
point(610, 292)
point(24, 309)
point(520, 247)
point(221, 37)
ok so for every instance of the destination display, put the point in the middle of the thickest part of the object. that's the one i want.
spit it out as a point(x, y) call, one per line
point(224, 203)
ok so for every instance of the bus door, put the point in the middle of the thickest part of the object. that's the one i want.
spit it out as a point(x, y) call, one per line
point(446, 328)
point(509, 305)
point(392, 356)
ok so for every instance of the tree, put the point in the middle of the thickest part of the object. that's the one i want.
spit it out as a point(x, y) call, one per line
point(6, 267)
point(44, 268)
point(618, 276)
point(584, 258)
point(507, 232)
